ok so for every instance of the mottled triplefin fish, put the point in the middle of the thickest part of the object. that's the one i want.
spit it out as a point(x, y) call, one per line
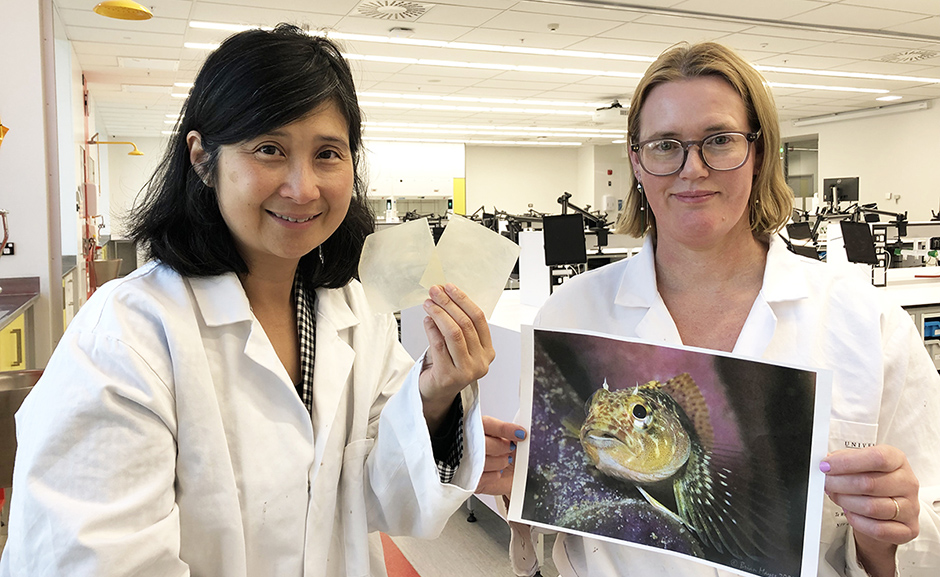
point(660, 435)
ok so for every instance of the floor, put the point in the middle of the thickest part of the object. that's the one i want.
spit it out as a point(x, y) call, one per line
point(467, 549)
point(464, 549)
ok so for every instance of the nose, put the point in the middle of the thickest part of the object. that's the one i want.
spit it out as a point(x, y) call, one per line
point(302, 184)
point(694, 166)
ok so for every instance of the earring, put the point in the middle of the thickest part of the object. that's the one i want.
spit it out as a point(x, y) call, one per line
point(639, 186)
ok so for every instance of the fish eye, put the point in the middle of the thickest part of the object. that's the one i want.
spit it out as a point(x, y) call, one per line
point(641, 416)
point(639, 411)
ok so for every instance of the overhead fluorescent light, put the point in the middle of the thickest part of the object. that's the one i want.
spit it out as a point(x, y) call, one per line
point(863, 113)
point(445, 98)
point(889, 98)
point(554, 52)
point(454, 108)
point(830, 88)
point(148, 63)
point(179, 94)
point(841, 74)
point(469, 141)
point(183, 84)
point(148, 88)
point(563, 131)
point(369, 130)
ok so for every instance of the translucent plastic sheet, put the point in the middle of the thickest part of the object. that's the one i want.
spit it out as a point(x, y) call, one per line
point(401, 263)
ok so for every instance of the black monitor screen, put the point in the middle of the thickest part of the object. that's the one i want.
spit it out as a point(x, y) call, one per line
point(564, 239)
point(805, 250)
point(845, 188)
point(799, 230)
point(859, 244)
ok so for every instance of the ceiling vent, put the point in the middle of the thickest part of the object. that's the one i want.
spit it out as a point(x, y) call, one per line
point(398, 10)
point(909, 56)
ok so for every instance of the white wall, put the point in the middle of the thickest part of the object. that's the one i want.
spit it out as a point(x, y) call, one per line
point(610, 158)
point(897, 154)
point(413, 168)
point(28, 161)
point(127, 176)
point(510, 178)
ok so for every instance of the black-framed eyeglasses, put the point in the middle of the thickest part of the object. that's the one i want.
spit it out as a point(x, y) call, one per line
point(722, 151)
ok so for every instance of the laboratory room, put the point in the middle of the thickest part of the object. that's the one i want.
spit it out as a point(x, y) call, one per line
point(569, 287)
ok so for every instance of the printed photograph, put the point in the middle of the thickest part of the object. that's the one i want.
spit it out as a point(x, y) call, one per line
point(698, 454)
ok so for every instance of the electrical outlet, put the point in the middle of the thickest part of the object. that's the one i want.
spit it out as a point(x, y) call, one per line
point(8, 249)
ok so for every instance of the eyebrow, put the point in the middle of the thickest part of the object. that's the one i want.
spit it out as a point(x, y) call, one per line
point(342, 140)
point(709, 130)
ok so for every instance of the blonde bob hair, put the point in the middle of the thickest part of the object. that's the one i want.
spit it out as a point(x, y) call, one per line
point(771, 201)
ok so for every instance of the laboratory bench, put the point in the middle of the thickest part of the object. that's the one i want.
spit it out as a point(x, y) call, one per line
point(16, 322)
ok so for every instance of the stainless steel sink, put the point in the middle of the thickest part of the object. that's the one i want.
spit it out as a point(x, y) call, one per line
point(14, 386)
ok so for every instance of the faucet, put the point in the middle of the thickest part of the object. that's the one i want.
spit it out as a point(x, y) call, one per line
point(6, 233)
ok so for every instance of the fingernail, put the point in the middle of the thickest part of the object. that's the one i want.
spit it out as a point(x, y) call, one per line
point(512, 445)
point(510, 459)
point(520, 434)
point(427, 304)
point(501, 471)
point(824, 467)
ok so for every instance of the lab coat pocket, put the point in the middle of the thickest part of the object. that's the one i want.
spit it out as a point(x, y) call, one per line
point(353, 505)
point(844, 435)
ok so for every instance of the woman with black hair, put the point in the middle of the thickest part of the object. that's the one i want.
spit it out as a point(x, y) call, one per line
point(234, 407)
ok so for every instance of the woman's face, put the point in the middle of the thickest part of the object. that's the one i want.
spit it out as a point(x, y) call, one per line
point(284, 193)
point(697, 207)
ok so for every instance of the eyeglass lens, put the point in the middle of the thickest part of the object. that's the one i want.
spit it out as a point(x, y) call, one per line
point(720, 152)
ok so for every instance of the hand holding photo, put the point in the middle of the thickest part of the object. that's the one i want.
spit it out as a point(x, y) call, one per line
point(698, 454)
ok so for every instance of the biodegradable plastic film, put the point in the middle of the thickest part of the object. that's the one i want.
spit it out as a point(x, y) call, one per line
point(401, 263)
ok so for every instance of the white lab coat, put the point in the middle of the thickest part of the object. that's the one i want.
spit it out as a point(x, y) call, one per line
point(885, 389)
point(165, 438)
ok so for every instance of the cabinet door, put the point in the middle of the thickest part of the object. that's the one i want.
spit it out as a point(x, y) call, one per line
point(13, 346)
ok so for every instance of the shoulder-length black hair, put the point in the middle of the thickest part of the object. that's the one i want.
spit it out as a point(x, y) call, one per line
point(255, 82)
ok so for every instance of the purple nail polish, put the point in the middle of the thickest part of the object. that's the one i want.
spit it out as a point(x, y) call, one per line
point(824, 467)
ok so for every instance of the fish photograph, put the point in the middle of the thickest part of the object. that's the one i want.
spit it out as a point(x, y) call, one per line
point(696, 453)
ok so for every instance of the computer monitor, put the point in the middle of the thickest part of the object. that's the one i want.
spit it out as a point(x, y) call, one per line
point(859, 243)
point(808, 251)
point(564, 239)
point(799, 231)
point(846, 188)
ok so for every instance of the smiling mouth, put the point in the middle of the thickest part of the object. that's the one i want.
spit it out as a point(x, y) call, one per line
point(290, 219)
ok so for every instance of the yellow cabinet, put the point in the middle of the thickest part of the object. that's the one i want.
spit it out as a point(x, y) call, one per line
point(13, 346)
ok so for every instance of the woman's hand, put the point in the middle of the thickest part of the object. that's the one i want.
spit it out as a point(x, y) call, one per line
point(501, 439)
point(460, 349)
point(878, 491)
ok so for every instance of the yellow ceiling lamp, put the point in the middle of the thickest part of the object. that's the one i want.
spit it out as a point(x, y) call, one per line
point(3, 132)
point(123, 10)
point(135, 152)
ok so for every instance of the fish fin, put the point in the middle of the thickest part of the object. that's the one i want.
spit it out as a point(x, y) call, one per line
point(688, 396)
point(730, 511)
point(652, 501)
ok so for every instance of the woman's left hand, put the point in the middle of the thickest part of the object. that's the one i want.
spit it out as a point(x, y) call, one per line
point(460, 349)
point(878, 491)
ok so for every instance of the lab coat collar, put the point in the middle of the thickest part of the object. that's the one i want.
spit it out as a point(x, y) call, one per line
point(221, 299)
point(638, 283)
point(334, 362)
point(784, 279)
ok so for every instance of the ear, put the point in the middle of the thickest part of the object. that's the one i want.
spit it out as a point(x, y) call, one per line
point(198, 155)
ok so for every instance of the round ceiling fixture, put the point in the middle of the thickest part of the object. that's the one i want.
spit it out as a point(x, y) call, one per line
point(392, 9)
point(123, 10)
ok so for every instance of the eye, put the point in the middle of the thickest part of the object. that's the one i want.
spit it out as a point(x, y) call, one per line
point(719, 140)
point(641, 415)
point(268, 150)
point(663, 145)
point(329, 154)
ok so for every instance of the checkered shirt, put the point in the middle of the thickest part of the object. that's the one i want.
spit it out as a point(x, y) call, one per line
point(447, 445)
